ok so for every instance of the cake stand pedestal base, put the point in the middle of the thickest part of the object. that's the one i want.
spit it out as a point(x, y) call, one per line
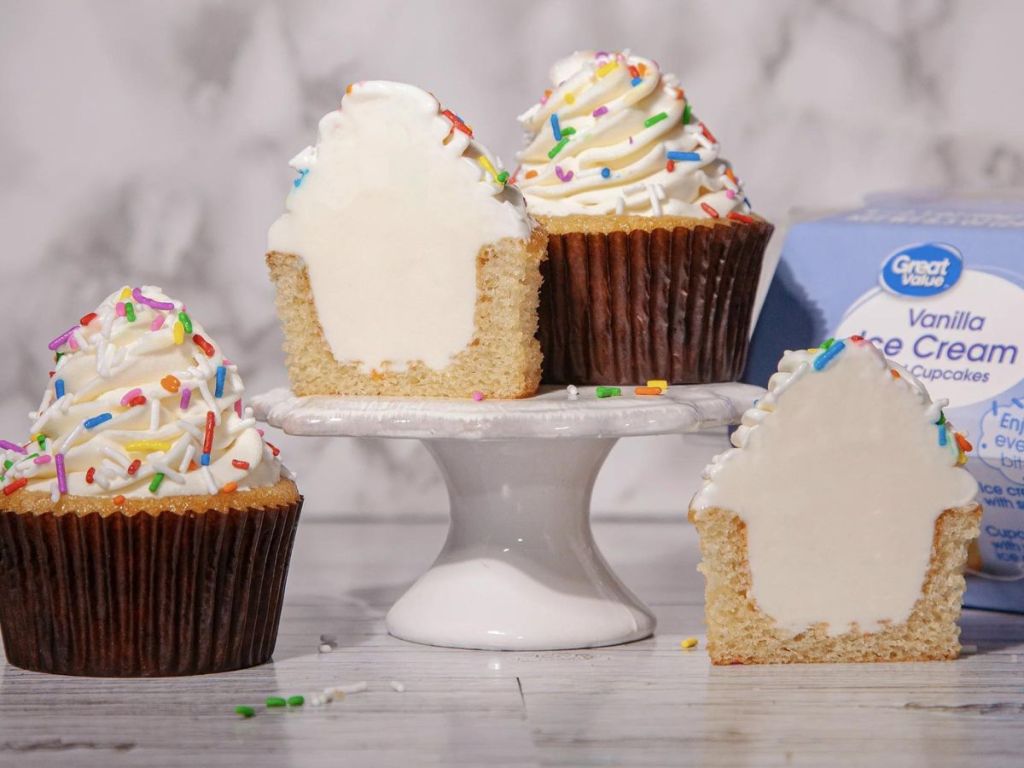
point(520, 569)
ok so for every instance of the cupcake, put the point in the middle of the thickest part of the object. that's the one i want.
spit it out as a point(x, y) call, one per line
point(145, 525)
point(405, 264)
point(654, 254)
point(838, 527)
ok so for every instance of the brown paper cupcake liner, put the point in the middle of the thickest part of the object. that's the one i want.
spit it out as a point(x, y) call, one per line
point(626, 307)
point(143, 595)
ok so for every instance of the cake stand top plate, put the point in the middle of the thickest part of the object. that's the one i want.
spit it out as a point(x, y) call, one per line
point(549, 414)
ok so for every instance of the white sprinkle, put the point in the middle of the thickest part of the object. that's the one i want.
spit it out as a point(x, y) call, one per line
point(620, 205)
point(340, 691)
point(316, 699)
point(241, 425)
point(573, 392)
point(190, 428)
point(655, 203)
point(190, 453)
point(154, 414)
point(54, 492)
point(326, 648)
point(211, 486)
point(287, 474)
point(397, 687)
point(116, 456)
point(70, 439)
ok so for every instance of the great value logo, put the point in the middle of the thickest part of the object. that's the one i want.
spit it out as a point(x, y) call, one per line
point(922, 270)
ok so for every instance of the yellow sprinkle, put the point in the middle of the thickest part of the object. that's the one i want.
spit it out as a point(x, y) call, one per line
point(487, 166)
point(570, 99)
point(126, 293)
point(659, 383)
point(606, 68)
point(690, 642)
point(179, 332)
point(147, 446)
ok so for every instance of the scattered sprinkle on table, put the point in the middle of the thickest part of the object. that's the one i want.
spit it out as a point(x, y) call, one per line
point(245, 711)
point(296, 701)
point(688, 643)
point(648, 390)
point(609, 391)
point(573, 391)
point(275, 701)
point(325, 648)
point(397, 686)
point(659, 383)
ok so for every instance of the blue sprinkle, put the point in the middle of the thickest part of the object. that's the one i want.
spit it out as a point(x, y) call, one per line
point(606, 172)
point(1017, 402)
point(825, 357)
point(942, 435)
point(302, 177)
point(95, 421)
point(58, 388)
point(555, 127)
point(674, 155)
point(221, 373)
point(205, 459)
point(636, 81)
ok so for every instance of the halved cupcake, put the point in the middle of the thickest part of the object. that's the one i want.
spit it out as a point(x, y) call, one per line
point(145, 526)
point(653, 252)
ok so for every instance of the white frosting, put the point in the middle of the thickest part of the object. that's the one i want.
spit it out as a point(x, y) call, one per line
point(839, 476)
point(389, 214)
point(622, 122)
point(118, 356)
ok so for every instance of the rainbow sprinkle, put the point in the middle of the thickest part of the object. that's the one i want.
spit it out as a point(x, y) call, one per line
point(557, 148)
point(943, 438)
point(95, 421)
point(186, 398)
point(555, 127)
point(58, 388)
point(7, 445)
point(221, 373)
point(655, 119)
point(676, 155)
point(600, 111)
point(151, 303)
point(62, 475)
point(59, 341)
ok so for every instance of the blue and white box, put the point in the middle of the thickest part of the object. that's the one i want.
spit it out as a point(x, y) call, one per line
point(938, 284)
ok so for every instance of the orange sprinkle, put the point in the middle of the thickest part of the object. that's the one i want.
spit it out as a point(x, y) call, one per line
point(648, 390)
point(119, 500)
point(348, 88)
point(963, 443)
point(680, 94)
point(895, 373)
point(530, 174)
point(170, 383)
point(229, 487)
point(641, 68)
point(192, 466)
point(731, 175)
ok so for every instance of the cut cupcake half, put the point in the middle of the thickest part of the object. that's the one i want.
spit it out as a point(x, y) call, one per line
point(837, 528)
point(405, 263)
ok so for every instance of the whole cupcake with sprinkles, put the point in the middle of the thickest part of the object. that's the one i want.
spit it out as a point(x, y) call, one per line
point(654, 252)
point(145, 525)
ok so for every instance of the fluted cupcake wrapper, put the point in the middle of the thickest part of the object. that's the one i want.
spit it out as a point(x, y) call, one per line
point(143, 595)
point(627, 307)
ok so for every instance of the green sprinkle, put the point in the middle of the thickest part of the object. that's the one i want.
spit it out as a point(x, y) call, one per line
point(244, 711)
point(655, 119)
point(275, 701)
point(154, 484)
point(129, 311)
point(608, 391)
point(942, 419)
point(41, 439)
point(503, 177)
point(568, 131)
point(687, 113)
point(57, 356)
point(8, 464)
point(30, 457)
point(827, 343)
point(186, 322)
point(558, 147)
point(296, 701)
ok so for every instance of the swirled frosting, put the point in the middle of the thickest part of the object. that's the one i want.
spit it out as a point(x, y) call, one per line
point(617, 136)
point(389, 213)
point(839, 474)
point(141, 403)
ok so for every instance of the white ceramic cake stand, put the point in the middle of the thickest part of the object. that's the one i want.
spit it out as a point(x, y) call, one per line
point(520, 569)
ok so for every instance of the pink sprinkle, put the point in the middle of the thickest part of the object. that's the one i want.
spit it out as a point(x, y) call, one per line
point(158, 323)
point(119, 309)
point(72, 343)
point(186, 398)
point(44, 459)
point(563, 175)
point(238, 408)
point(478, 395)
point(730, 194)
point(600, 111)
point(130, 395)
point(262, 432)
point(62, 338)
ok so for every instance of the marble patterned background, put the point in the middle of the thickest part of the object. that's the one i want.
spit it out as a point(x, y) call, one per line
point(147, 141)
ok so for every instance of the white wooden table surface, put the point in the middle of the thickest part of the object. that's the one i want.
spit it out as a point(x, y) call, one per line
point(649, 703)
